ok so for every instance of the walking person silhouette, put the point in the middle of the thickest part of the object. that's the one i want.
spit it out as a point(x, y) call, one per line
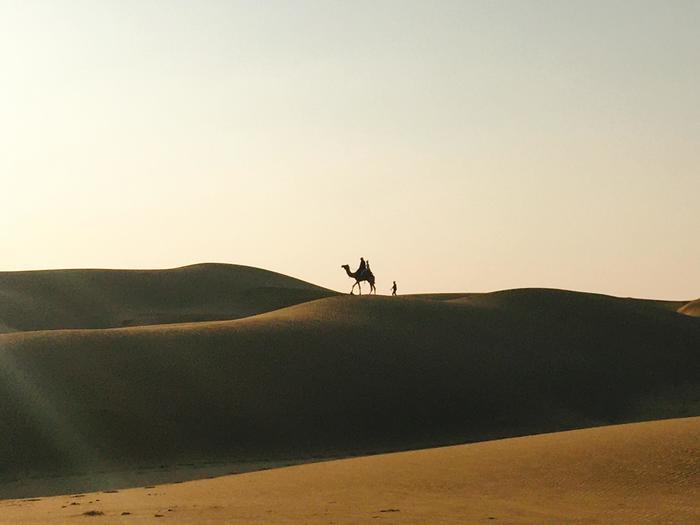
point(393, 289)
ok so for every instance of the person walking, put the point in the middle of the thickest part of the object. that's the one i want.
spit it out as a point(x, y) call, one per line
point(393, 289)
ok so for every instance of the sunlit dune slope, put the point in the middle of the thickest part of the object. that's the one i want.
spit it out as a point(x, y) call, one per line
point(52, 299)
point(638, 473)
point(691, 308)
point(340, 374)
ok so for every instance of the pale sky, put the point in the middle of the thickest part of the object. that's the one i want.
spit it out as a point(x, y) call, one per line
point(458, 145)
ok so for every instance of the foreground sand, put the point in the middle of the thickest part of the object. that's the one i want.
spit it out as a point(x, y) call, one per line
point(636, 473)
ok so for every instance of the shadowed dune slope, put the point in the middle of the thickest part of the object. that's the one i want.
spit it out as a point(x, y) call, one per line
point(542, 298)
point(691, 308)
point(637, 473)
point(534, 297)
point(341, 374)
point(55, 299)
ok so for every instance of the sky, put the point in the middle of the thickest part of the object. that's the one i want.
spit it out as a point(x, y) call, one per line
point(457, 145)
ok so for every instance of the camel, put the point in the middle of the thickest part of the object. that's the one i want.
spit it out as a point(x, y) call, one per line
point(367, 275)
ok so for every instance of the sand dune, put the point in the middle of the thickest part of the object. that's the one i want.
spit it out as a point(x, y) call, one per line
point(340, 375)
point(532, 297)
point(691, 308)
point(541, 298)
point(638, 473)
point(55, 299)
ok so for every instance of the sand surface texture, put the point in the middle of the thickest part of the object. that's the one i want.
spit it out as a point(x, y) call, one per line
point(635, 473)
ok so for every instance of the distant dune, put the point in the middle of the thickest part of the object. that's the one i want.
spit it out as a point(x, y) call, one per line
point(331, 376)
point(55, 299)
point(533, 298)
point(638, 473)
point(691, 308)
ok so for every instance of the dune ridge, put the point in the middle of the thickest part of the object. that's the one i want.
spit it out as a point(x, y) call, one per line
point(531, 295)
point(60, 299)
point(692, 308)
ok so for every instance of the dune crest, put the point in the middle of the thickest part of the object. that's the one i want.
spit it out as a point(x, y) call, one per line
point(60, 299)
point(341, 375)
point(692, 308)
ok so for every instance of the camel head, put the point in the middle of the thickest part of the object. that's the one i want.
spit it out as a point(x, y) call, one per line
point(346, 266)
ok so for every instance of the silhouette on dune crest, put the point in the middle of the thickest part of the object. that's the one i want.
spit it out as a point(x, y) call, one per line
point(363, 273)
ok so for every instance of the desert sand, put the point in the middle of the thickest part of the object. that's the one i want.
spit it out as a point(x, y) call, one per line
point(635, 473)
point(691, 308)
point(111, 379)
point(60, 299)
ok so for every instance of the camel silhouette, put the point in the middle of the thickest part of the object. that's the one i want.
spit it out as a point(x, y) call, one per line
point(367, 275)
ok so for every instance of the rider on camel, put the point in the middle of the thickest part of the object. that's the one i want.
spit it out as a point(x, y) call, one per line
point(363, 267)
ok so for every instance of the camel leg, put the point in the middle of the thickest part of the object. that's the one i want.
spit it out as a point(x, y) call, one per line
point(359, 287)
point(352, 290)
